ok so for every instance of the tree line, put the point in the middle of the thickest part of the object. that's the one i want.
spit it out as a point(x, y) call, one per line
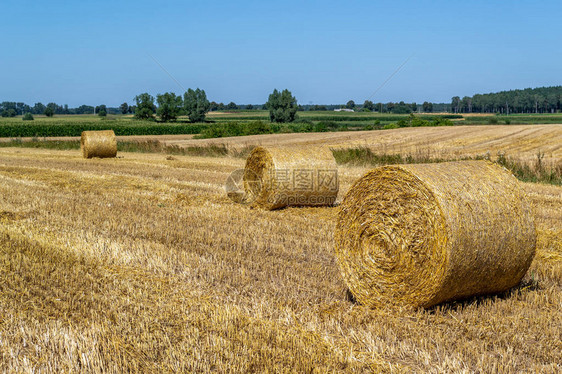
point(282, 106)
point(529, 100)
point(13, 109)
point(194, 104)
point(169, 106)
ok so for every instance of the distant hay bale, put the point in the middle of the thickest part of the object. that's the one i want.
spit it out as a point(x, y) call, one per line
point(281, 177)
point(102, 144)
point(419, 235)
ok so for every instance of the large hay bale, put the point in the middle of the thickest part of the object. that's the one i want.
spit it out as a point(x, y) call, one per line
point(102, 144)
point(419, 235)
point(281, 177)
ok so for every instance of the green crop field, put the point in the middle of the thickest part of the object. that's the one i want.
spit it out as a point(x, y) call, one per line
point(73, 125)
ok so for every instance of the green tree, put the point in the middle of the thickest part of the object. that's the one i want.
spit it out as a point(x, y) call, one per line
point(455, 104)
point(169, 106)
point(124, 108)
point(9, 109)
point(102, 110)
point(232, 106)
point(427, 107)
point(55, 108)
point(350, 104)
point(368, 104)
point(49, 112)
point(541, 99)
point(28, 117)
point(38, 108)
point(400, 108)
point(249, 107)
point(9, 113)
point(145, 107)
point(282, 106)
point(196, 104)
point(83, 109)
point(213, 106)
point(414, 107)
point(466, 104)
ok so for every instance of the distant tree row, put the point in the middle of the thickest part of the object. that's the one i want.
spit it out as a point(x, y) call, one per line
point(529, 100)
point(194, 103)
point(230, 106)
point(391, 107)
point(169, 106)
point(397, 108)
point(12, 109)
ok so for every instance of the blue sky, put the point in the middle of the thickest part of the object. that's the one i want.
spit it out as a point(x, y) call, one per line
point(325, 52)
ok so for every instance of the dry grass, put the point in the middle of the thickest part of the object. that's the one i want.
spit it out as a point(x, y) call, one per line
point(141, 263)
point(451, 142)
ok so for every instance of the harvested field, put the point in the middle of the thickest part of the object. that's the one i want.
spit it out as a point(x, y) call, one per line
point(142, 263)
point(522, 141)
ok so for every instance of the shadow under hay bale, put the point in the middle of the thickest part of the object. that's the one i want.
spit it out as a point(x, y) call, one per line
point(520, 289)
point(102, 144)
point(419, 235)
point(281, 177)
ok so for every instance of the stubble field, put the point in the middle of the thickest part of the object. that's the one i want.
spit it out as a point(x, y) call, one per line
point(519, 141)
point(142, 263)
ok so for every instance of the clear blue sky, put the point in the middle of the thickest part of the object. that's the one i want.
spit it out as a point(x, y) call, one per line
point(325, 52)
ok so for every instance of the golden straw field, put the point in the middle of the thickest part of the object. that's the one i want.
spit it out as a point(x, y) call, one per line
point(142, 263)
point(521, 141)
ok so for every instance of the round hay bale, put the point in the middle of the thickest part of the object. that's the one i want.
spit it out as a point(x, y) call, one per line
point(281, 177)
point(102, 144)
point(418, 235)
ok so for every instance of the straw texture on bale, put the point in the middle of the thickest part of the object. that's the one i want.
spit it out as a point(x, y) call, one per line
point(281, 177)
point(418, 235)
point(102, 144)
